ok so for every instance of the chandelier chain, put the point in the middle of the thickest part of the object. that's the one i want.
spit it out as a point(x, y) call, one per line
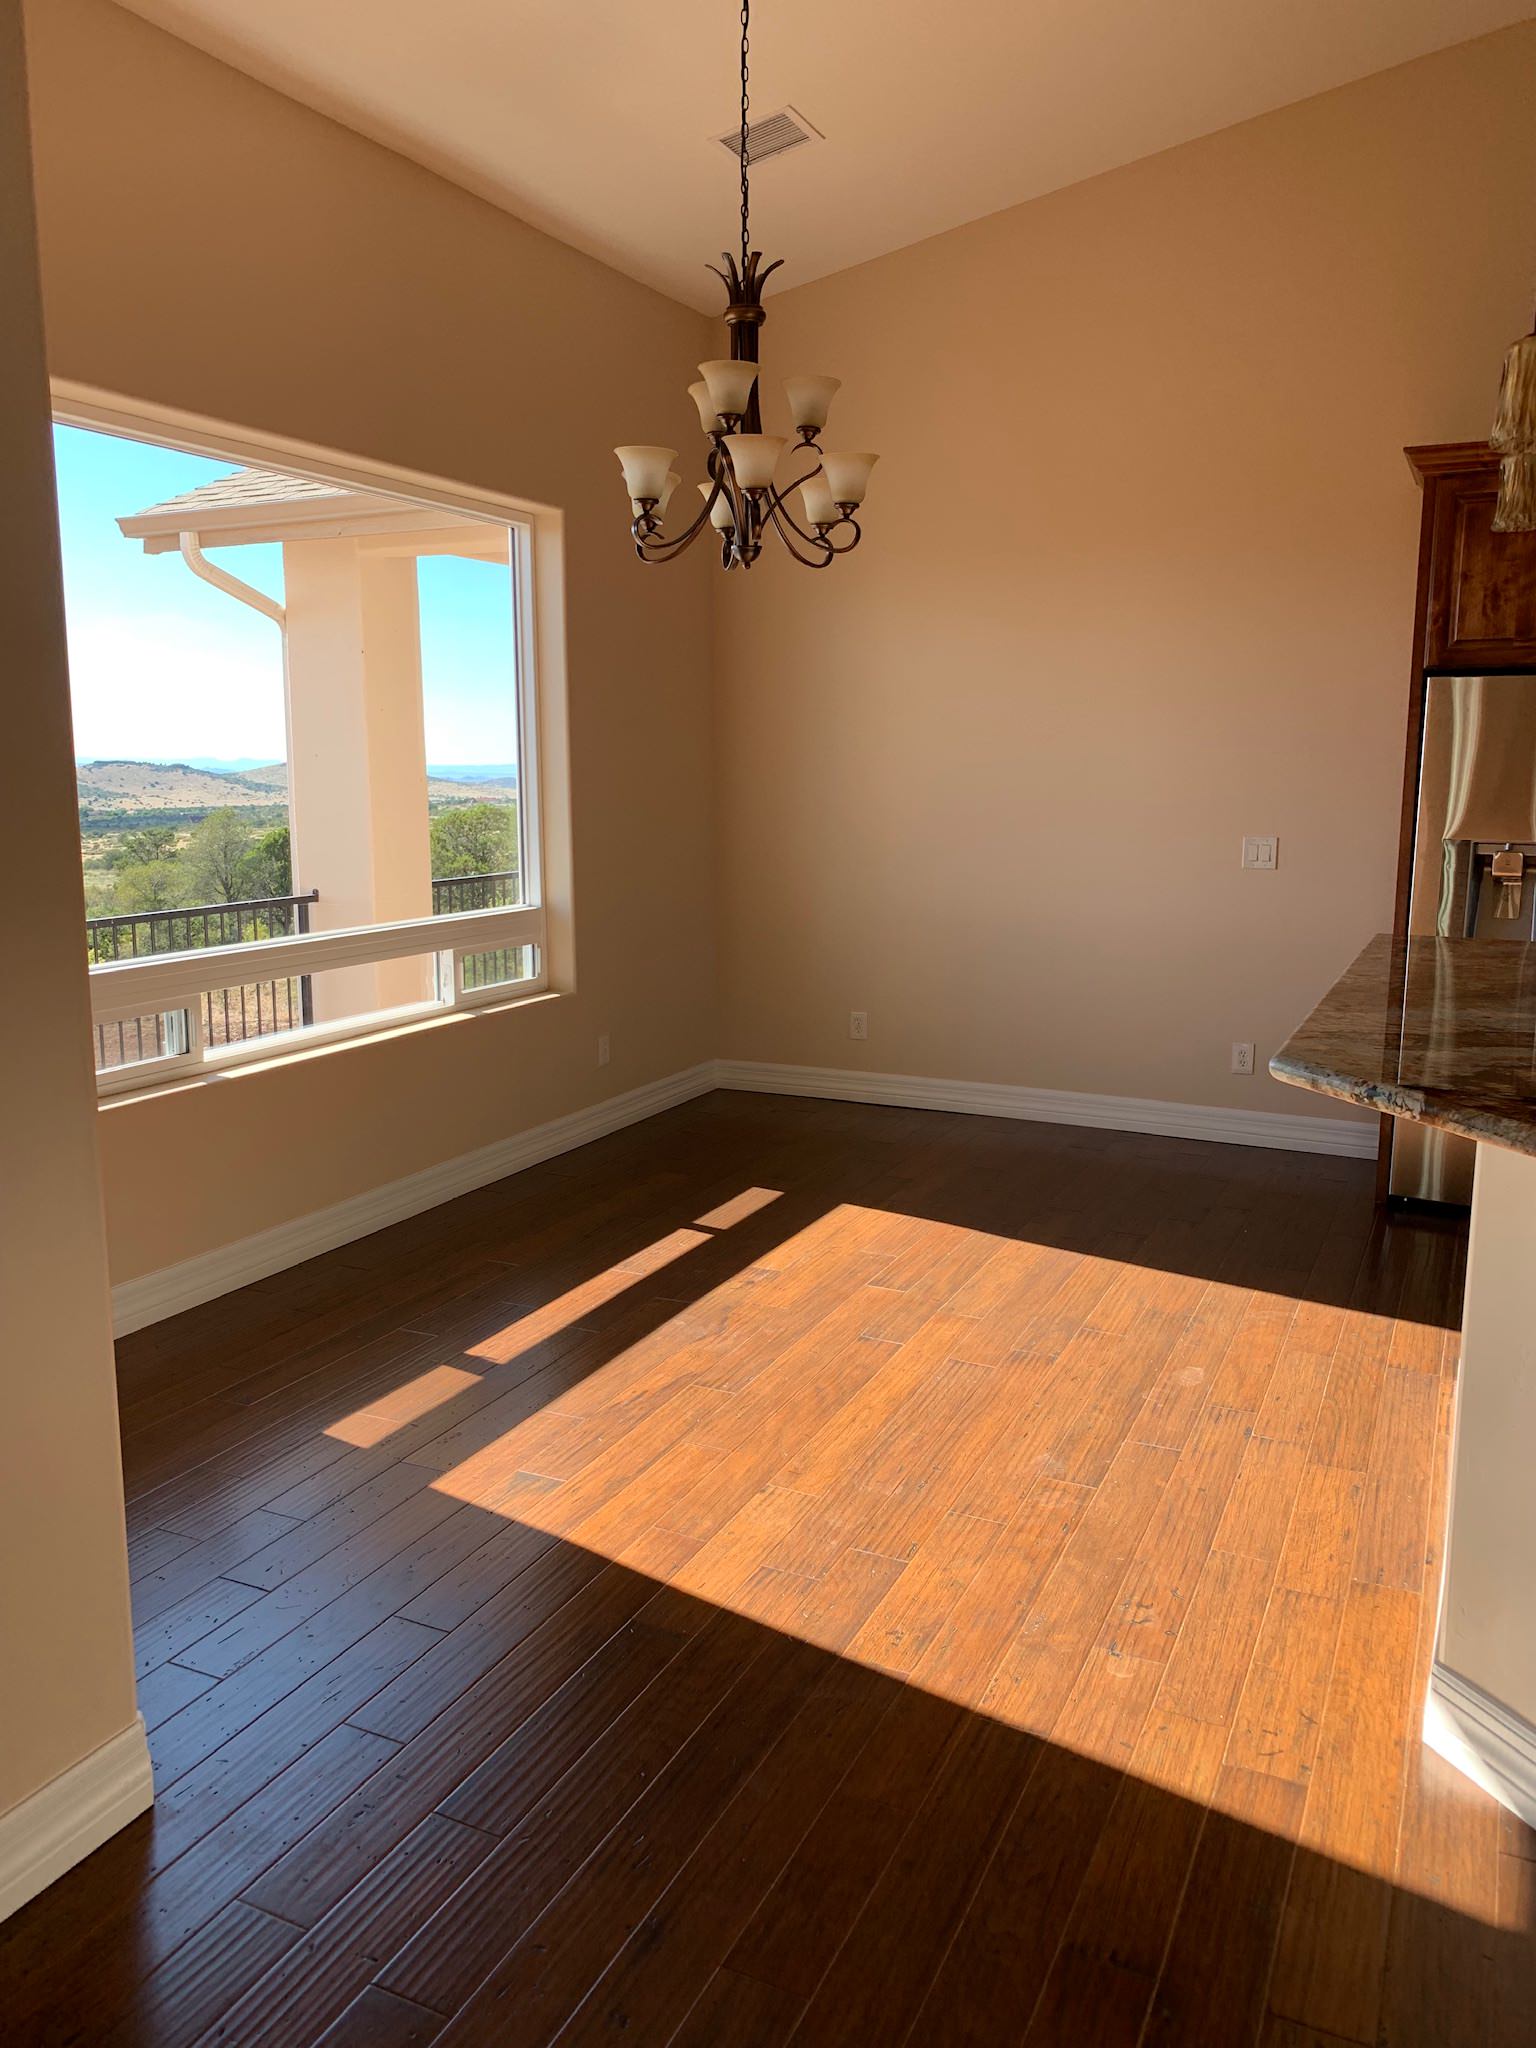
point(746, 231)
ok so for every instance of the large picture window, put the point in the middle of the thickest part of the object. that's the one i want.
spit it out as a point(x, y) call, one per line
point(306, 753)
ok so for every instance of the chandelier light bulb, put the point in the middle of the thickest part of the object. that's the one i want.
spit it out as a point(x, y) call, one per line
point(820, 506)
point(646, 469)
point(721, 517)
point(1515, 511)
point(709, 412)
point(848, 476)
point(1514, 424)
point(659, 508)
point(754, 458)
point(730, 386)
point(810, 399)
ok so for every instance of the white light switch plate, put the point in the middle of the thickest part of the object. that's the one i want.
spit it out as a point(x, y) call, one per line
point(1261, 853)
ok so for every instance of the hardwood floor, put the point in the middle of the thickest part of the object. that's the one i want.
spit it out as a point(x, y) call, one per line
point(795, 1572)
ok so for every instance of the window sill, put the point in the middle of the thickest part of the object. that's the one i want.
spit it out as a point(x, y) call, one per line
point(291, 1055)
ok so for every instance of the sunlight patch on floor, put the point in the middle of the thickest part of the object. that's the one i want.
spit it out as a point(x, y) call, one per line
point(767, 1538)
point(366, 1427)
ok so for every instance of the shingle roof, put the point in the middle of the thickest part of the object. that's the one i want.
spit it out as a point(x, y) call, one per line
point(261, 488)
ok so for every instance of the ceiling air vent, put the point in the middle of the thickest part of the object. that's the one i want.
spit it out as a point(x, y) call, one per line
point(772, 135)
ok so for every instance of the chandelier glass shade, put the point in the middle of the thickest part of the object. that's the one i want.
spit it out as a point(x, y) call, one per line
point(1513, 433)
point(813, 513)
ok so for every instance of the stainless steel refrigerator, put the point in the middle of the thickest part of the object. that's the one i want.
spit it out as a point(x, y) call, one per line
point(1474, 867)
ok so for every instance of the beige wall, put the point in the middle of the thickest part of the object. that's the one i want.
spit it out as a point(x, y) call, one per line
point(210, 245)
point(65, 1648)
point(1138, 580)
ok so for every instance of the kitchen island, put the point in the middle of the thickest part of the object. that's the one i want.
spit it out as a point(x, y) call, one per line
point(1443, 1031)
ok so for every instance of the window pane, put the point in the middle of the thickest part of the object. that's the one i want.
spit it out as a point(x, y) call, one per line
point(131, 1041)
point(493, 970)
point(330, 742)
point(469, 686)
point(231, 1016)
point(338, 996)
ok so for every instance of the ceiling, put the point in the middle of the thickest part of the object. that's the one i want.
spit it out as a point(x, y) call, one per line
point(595, 119)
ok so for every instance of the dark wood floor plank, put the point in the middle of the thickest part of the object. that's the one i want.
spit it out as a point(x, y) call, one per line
point(1009, 1931)
point(167, 1689)
point(674, 1951)
point(153, 1549)
point(740, 2010)
point(562, 1821)
point(535, 1600)
point(322, 1973)
point(188, 1805)
point(302, 1544)
point(272, 1615)
point(171, 1633)
point(378, 2019)
point(1216, 1972)
point(883, 1970)
point(175, 2004)
point(216, 1557)
point(52, 1983)
point(795, 1932)
point(427, 1770)
point(546, 1969)
point(569, 1723)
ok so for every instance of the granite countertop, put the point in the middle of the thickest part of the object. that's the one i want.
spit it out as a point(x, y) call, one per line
point(1439, 1030)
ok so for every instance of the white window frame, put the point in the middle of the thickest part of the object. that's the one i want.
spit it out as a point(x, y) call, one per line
point(168, 982)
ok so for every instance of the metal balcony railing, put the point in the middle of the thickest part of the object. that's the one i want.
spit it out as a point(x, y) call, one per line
point(229, 1014)
point(257, 1009)
point(481, 892)
point(474, 892)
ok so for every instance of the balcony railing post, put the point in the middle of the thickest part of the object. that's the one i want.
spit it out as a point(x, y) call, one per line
point(306, 985)
point(133, 934)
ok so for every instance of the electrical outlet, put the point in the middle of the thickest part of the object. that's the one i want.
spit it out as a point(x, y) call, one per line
point(1261, 853)
point(858, 1023)
point(1242, 1058)
point(603, 1050)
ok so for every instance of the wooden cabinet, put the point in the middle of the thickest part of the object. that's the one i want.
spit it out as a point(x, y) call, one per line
point(1475, 613)
point(1477, 588)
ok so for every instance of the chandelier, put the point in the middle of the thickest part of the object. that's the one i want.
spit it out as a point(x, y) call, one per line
point(1514, 435)
point(741, 501)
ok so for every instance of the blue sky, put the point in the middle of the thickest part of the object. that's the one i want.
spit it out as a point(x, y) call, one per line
point(163, 667)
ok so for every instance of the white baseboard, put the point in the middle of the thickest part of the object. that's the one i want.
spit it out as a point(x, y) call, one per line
point(173, 1288)
point(1268, 1128)
point(72, 1815)
point(1487, 1742)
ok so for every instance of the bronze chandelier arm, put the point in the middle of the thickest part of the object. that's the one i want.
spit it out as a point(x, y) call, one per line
point(778, 501)
point(782, 522)
point(802, 447)
point(657, 547)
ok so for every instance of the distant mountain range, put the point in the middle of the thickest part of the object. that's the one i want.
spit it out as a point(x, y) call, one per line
point(112, 788)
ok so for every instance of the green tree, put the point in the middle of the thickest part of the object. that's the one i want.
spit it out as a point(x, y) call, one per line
point(474, 839)
point(268, 867)
point(145, 845)
point(146, 885)
point(216, 858)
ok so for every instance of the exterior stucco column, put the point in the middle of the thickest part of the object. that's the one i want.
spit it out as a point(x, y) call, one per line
point(357, 757)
